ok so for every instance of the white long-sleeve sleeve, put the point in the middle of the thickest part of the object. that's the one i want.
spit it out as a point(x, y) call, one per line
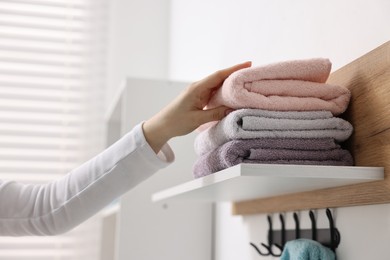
point(61, 205)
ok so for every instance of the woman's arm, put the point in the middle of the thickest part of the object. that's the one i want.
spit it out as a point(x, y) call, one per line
point(61, 205)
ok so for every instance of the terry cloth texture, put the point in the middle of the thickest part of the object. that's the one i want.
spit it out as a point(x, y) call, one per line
point(322, 151)
point(297, 85)
point(256, 123)
point(306, 249)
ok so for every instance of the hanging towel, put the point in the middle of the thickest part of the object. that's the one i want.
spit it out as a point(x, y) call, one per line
point(286, 86)
point(322, 151)
point(256, 123)
point(306, 249)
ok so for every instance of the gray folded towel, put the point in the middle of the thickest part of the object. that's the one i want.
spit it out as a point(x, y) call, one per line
point(256, 123)
point(323, 151)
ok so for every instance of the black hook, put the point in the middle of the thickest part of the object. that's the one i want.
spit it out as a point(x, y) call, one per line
point(270, 242)
point(297, 228)
point(283, 230)
point(321, 234)
point(313, 226)
point(283, 233)
point(334, 234)
point(258, 250)
point(270, 238)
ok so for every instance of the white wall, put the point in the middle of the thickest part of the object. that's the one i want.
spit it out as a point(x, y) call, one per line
point(138, 41)
point(209, 35)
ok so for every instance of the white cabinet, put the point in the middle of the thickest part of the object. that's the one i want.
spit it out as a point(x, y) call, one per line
point(146, 230)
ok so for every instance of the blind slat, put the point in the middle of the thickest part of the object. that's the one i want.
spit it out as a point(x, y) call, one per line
point(41, 71)
point(40, 94)
point(42, 122)
point(23, 104)
point(25, 134)
point(21, 83)
point(37, 165)
point(33, 171)
point(42, 146)
point(35, 13)
point(82, 4)
point(36, 61)
point(39, 117)
point(67, 28)
point(42, 38)
point(42, 74)
point(38, 155)
point(51, 98)
point(38, 50)
point(28, 159)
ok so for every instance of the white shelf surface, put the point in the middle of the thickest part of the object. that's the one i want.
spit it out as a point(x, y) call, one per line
point(252, 181)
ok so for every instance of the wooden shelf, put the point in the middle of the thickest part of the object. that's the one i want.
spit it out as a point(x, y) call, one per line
point(251, 181)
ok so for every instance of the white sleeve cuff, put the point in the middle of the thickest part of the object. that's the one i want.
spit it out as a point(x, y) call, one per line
point(163, 158)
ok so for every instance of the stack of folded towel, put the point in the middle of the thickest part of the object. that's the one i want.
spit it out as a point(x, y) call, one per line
point(285, 114)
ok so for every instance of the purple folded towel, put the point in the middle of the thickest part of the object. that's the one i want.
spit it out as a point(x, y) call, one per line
point(257, 123)
point(308, 151)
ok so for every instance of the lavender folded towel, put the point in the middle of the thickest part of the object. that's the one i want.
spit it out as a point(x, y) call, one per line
point(308, 151)
point(285, 86)
point(256, 123)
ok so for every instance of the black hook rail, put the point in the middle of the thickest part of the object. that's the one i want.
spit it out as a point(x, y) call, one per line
point(277, 238)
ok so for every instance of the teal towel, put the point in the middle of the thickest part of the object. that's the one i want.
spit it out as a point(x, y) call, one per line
point(306, 249)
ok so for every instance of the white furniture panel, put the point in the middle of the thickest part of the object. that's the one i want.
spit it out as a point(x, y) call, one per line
point(158, 231)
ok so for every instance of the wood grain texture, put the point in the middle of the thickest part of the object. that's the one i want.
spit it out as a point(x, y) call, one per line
point(368, 79)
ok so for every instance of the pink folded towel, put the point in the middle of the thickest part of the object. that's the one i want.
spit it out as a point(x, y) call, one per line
point(257, 123)
point(323, 151)
point(286, 86)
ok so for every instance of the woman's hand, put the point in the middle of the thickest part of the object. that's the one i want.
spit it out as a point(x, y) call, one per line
point(185, 113)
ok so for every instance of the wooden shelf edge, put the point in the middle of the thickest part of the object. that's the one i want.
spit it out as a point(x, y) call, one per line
point(376, 192)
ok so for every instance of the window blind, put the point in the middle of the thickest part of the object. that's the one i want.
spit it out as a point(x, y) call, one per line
point(52, 61)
